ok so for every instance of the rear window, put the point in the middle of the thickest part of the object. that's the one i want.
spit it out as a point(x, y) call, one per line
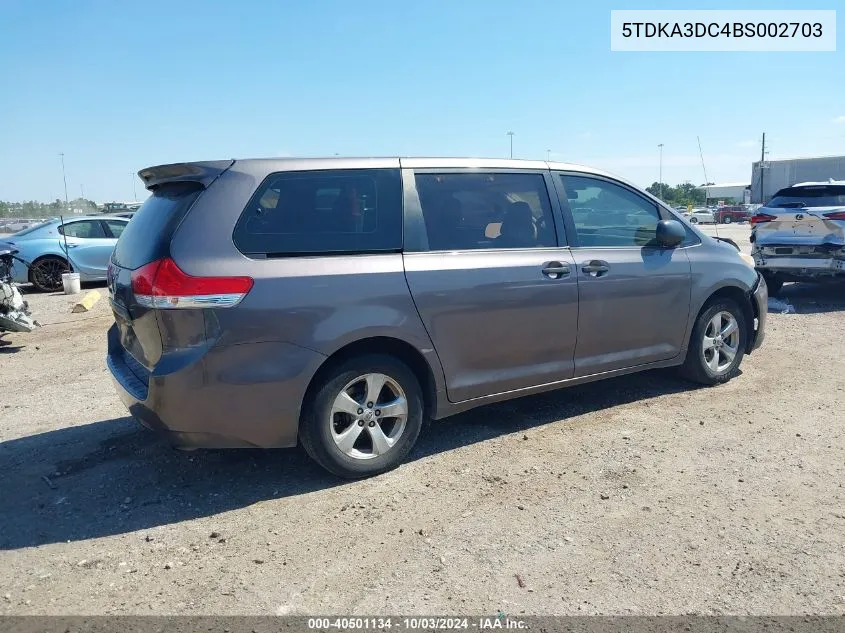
point(29, 230)
point(84, 229)
point(339, 211)
point(811, 196)
point(147, 237)
point(480, 210)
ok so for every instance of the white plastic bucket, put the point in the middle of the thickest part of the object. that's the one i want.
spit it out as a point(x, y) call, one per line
point(71, 283)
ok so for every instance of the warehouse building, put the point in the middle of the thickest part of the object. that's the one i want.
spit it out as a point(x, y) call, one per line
point(729, 191)
point(777, 174)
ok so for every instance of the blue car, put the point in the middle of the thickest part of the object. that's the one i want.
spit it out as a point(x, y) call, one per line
point(90, 242)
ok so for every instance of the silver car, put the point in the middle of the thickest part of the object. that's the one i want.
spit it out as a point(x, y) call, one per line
point(799, 235)
point(340, 303)
point(700, 216)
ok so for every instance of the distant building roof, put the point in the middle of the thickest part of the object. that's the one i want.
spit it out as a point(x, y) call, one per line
point(725, 185)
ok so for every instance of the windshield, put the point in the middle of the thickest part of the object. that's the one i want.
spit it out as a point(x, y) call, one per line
point(811, 196)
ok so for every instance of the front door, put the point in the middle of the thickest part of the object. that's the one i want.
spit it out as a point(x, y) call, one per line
point(634, 296)
point(496, 293)
point(88, 247)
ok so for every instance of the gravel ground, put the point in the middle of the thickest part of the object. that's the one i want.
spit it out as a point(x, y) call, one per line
point(636, 495)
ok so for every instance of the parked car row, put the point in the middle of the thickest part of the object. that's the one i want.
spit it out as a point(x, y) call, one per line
point(699, 216)
point(726, 214)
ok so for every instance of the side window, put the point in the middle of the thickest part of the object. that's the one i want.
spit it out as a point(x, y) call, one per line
point(485, 210)
point(607, 214)
point(115, 227)
point(86, 229)
point(352, 210)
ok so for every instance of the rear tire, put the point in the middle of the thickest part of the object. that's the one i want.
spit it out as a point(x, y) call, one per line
point(773, 283)
point(715, 350)
point(693, 220)
point(728, 220)
point(45, 273)
point(343, 427)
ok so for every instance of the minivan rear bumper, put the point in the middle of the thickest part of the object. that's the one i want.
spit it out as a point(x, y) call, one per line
point(236, 396)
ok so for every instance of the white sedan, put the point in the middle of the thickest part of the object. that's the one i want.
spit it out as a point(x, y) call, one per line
point(700, 216)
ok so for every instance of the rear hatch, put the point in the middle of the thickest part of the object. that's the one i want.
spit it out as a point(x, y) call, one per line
point(803, 215)
point(137, 258)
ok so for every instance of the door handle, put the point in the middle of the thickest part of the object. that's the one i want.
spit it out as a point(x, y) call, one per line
point(595, 268)
point(556, 270)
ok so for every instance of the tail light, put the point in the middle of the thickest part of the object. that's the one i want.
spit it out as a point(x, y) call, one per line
point(162, 284)
point(762, 217)
point(835, 215)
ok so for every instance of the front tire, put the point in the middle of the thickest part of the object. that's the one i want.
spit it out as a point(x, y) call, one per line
point(45, 273)
point(693, 220)
point(717, 344)
point(728, 220)
point(364, 417)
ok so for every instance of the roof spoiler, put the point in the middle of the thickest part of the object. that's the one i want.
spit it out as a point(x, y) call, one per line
point(203, 173)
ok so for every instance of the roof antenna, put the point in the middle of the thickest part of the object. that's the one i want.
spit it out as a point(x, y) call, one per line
point(67, 252)
point(706, 183)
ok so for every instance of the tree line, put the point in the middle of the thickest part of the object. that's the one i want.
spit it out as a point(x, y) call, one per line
point(35, 209)
point(684, 194)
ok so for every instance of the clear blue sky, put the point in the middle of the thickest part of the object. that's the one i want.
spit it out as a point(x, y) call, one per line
point(118, 86)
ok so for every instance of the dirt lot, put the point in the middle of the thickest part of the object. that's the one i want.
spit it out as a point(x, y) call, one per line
point(637, 495)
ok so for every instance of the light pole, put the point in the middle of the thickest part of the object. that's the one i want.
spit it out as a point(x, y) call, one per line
point(134, 195)
point(82, 191)
point(64, 178)
point(548, 154)
point(511, 135)
point(660, 146)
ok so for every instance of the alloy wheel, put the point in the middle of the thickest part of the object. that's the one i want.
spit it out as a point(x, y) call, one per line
point(720, 343)
point(368, 416)
point(47, 273)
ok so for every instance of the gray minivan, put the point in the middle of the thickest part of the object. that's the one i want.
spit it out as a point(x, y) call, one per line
point(342, 302)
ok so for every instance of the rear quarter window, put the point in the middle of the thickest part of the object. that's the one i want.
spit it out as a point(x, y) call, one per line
point(147, 237)
point(332, 211)
point(809, 196)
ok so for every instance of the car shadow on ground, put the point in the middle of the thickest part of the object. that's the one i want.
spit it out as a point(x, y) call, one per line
point(29, 289)
point(8, 347)
point(114, 477)
point(811, 298)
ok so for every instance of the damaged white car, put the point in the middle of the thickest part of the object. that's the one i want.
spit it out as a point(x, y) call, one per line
point(799, 235)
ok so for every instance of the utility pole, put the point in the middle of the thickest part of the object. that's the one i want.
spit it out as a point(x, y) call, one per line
point(511, 135)
point(134, 195)
point(763, 170)
point(64, 178)
point(548, 154)
point(82, 191)
point(660, 146)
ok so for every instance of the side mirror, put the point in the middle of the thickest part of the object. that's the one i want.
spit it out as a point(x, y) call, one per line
point(670, 233)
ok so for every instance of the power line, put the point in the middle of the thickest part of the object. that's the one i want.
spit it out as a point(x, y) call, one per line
point(64, 178)
point(763, 169)
point(660, 146)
